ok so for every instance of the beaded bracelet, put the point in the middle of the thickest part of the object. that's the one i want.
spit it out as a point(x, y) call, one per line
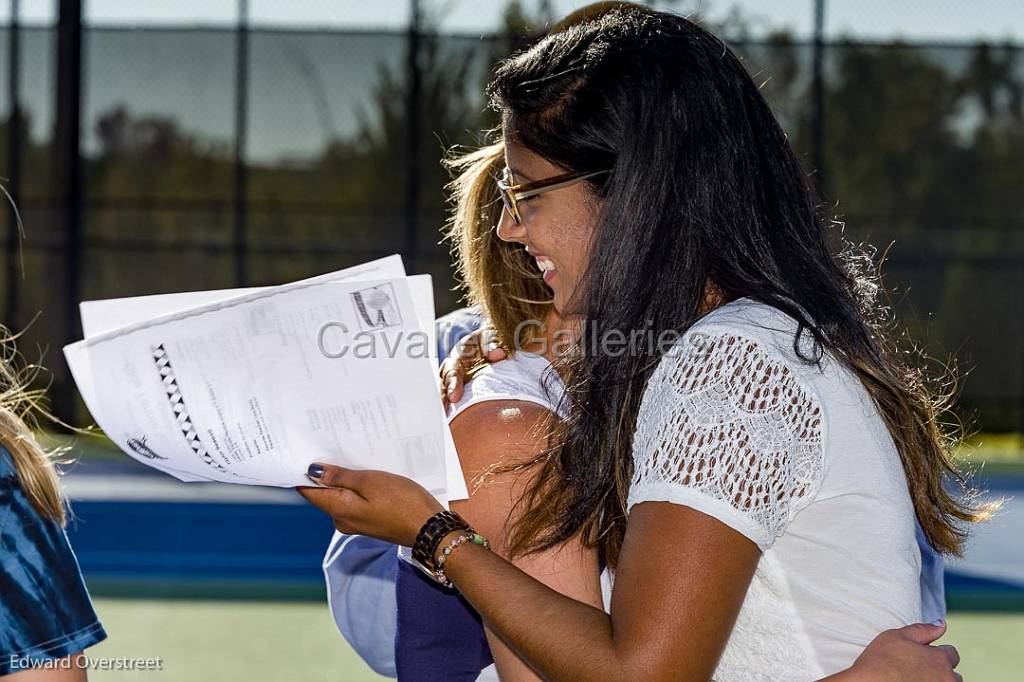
point(475, 538)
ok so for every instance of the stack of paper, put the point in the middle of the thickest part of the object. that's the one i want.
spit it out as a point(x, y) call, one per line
point(252, 385)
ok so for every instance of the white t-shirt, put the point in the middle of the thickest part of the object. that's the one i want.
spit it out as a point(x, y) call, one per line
point(524, 376)
point(797, 458)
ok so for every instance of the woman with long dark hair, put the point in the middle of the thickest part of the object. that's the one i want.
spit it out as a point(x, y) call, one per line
point(489, 420)
point(744, 447)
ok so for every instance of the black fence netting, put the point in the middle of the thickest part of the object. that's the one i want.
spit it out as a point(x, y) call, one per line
point(197, 174)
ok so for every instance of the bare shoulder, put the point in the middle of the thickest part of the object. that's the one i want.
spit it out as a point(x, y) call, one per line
point(493, 439)
point(500, 432)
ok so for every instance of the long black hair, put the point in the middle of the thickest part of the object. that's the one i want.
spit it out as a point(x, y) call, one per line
point(705, 194)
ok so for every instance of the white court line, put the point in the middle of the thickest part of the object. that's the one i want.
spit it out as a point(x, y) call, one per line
point(129, 488)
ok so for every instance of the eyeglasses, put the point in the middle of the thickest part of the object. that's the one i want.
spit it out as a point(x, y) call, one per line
point(511, 192)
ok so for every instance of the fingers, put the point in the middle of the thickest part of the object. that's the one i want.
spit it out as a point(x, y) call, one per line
point(313, 495)
point(451, 384)
point(479, 346)
point(494, 352)
point(951, 653)
point(491, 348)
point(923, 633)
point(445, 373)
point(321, 498)
point(456, 366)
point(338, 503)
point(333, 476)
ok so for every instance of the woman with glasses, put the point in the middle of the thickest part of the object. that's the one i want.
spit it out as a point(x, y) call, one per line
point(366, 576)
point(753, 468)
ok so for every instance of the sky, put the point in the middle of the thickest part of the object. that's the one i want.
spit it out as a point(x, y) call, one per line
point(946, 20)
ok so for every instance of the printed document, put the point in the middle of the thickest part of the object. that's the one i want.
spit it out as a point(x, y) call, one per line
point(252, 385)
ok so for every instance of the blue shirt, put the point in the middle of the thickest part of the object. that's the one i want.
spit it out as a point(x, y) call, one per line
point(402, 637)
point(45, 610)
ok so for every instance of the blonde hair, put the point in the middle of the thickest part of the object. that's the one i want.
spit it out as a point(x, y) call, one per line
point(494, 276)
point(19, 404)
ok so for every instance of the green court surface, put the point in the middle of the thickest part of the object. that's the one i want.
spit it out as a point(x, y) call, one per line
point(226, 640)
point(296, 641)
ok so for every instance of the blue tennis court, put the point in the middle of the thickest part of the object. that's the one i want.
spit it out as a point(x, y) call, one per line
point(139, 532)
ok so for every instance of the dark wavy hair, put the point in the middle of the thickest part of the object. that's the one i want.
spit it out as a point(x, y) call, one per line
point(705, 192)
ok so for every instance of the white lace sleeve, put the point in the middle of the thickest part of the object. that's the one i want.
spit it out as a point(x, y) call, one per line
point(727, 429)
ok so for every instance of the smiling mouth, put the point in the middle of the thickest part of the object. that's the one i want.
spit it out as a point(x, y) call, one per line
point(546, 267)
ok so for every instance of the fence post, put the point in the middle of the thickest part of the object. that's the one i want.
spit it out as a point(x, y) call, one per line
point(11, 312)
point(240, 239)
point(412, 140)
point(68, 176)
point(818, 96)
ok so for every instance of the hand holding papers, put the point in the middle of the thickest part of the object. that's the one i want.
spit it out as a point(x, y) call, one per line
point(250, 386)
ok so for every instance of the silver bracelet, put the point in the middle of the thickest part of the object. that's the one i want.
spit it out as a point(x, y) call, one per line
point(475, 538)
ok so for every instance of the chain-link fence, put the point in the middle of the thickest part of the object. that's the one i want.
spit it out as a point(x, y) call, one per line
point(216, 157)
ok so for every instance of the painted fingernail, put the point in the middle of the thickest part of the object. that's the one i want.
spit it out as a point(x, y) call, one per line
point(315, 471)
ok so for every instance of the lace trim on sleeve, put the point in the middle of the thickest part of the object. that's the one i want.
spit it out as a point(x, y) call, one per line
point(726, 428)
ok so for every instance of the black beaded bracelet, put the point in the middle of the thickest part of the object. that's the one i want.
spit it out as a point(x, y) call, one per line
point(433, 531)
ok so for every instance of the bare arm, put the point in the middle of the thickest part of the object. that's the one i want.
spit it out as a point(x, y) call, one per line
point(672, 609)
point(507, 433)
point(566, 638)
point(682, 577)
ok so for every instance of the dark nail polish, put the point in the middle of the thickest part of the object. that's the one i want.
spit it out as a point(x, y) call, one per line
point(315, 471)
